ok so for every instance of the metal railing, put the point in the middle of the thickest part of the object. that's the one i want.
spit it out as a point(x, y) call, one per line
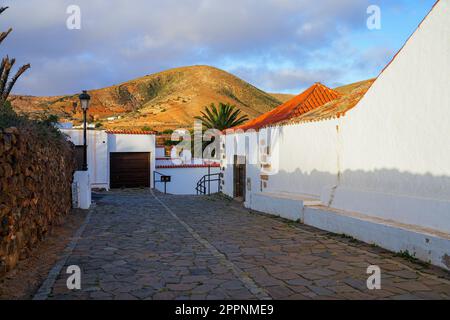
point(204, 184)
point(162, 179)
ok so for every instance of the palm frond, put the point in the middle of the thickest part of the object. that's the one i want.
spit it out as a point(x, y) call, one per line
point(3, 9)
point(13, 81)
point(222, 117)
point(3, 35)
point(6, 67)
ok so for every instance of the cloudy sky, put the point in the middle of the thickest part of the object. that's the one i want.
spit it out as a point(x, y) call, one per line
point(277, 45)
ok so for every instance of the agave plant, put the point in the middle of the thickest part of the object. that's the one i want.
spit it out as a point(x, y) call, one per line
point(5, 69)
point(221, 118)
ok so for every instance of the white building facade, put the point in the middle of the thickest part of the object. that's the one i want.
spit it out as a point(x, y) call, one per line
point(123, 145)
point(381, 173)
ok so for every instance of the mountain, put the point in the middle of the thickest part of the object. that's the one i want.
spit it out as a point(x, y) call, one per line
point(165, 100)
point(283, 97)
point(349, 88)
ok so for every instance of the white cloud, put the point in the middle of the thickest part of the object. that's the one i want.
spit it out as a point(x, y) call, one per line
point(127, 39)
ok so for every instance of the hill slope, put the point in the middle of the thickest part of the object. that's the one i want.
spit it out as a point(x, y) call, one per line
point(283, 97)
point(169, 99)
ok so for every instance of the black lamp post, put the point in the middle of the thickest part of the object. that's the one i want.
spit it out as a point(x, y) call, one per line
point(84, 100)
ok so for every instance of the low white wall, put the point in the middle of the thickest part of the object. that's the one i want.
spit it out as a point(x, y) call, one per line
point(184, 180)
point(429, 247)
point(82, 189)
point(285, 205)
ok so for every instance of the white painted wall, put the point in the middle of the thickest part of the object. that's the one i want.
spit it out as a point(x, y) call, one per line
point(304, 160)
point(131, 143)
point(184, 180)
point(396, 143)
point(160, 152)
point(308, 159)
point(244, 145)
point(97, 153)
point(226, 164)
point(383, 171)
point(389, 156)
point(101, 144)
point(82, 185)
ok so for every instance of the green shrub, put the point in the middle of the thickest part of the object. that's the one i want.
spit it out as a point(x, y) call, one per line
point(146, 128)
point(44, 128)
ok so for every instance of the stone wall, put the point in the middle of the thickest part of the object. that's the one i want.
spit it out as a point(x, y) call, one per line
point(36, 172)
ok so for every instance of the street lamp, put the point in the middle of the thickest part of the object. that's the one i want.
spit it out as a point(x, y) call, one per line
point(84, 100)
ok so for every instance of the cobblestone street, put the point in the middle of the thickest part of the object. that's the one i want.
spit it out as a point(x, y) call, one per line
point(137, 245)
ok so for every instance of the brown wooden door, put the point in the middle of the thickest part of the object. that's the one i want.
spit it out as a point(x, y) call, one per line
point(129, 170)
point(239, 178)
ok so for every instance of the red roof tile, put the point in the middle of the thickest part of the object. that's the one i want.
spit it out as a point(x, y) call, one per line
point(130, 132)
point(314, 97)
point(337, 108)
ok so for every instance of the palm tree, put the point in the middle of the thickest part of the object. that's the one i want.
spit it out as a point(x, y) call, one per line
point(5, 69)
point(224, 117)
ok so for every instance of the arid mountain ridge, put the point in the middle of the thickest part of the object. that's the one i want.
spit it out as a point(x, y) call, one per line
point(164, 100)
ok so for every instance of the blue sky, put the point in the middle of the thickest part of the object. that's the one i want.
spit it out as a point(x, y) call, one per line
point(276, 45)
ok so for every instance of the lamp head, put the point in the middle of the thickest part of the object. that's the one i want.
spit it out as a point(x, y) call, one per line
point(85, 100)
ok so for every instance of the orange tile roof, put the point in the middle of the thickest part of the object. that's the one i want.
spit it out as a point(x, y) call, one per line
point(130, 132)
point(337, 108)
point(314, 97)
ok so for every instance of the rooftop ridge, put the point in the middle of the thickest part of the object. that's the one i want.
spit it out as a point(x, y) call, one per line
point(130, 132)
point(310, 99)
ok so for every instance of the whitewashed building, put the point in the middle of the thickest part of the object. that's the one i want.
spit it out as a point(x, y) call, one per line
point(372, 163)
point(117, 159)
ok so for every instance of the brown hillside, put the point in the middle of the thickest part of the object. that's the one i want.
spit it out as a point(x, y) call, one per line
point(168, 99)
point(349, 88)
point(283, 97)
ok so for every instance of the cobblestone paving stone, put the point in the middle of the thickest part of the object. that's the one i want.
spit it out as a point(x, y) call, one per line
point(134, 248)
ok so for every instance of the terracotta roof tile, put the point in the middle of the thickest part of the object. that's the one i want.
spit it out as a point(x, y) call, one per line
point(130, 132)
point(350, 96)
point(310, 99)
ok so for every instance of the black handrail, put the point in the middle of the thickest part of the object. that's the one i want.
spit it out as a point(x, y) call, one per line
point(204, 184)
point(160, 180)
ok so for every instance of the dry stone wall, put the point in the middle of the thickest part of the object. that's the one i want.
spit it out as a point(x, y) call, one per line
point(35, 190)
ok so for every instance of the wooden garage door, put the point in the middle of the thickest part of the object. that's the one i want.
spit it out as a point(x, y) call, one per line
point(130, 170)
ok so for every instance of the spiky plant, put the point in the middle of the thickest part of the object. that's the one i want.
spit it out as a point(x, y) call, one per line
point(221, 118)
point(7, 64)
